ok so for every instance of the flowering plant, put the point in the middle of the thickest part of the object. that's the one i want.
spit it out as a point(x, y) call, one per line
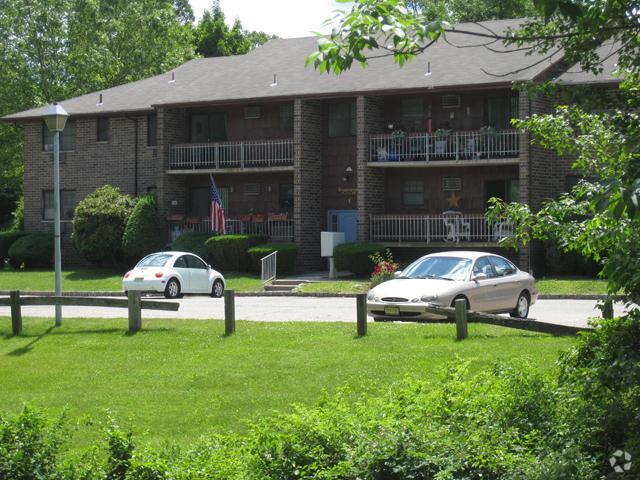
point(384, 267)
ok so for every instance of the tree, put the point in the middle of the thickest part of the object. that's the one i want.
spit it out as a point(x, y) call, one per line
point(143, 233)
point(458, 11)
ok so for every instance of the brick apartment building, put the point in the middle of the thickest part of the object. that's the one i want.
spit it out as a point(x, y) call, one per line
point(407, 157)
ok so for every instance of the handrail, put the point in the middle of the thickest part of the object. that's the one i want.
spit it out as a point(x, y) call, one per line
point(268, 267)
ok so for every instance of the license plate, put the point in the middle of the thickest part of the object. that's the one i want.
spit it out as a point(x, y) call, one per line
point(392, 310)
point(138, 279)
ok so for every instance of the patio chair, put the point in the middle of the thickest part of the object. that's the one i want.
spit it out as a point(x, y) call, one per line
point(457, 228)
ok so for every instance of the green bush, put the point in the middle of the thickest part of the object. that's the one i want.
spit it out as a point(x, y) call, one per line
point(143, 234)
point(32, 251)
point(17, 223)
point(6, 240)
point(193, 242)
point(229, 253)
point(558, 262)
point(354, 257)
point(98, 224)
point(287, 253)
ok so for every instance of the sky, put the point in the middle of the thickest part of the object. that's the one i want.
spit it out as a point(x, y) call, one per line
point(284, 18)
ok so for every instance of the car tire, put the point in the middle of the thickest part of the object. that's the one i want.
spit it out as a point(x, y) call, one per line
point(522, 306)
point(217, 289)
point(460, 297)
point(172, 290)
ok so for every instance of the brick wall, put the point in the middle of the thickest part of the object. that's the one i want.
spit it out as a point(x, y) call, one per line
point(307, 181)
point(371, 181)
point(90, 165)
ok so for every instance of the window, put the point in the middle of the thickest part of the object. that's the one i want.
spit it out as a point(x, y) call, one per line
point(67, 137)
point(102, 127)
point(252, 189)
point(286, 117)
point(507, 190)
point(342, 119)
point(193, 262)
point(413, 193)
point(285, 196)
point(502, 266)
point(152, 130)
point(209, 127)
point(181, 262)
point(199, 202)
point(412, 109)
point(500, 111)
point(252, 112)
point(67, 204)
point(483, 265)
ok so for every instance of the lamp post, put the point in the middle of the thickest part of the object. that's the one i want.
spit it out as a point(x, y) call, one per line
point(56, 119)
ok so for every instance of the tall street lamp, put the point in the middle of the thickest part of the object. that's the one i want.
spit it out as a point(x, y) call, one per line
point(56, 119)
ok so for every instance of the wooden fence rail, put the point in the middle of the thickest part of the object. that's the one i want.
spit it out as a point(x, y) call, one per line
point(458, 314)
point(133, 303)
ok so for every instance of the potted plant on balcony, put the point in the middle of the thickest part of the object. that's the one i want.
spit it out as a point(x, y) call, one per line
point(441, 141)
point(398, 137)
point(488, 136)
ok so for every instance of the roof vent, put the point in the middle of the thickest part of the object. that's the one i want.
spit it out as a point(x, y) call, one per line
point(275, 81)
point(173, 77)
point(99, 104)
point(428, 69)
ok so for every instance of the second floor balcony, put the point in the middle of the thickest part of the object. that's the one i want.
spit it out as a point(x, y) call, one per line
point(480, 146)
point(236, 155)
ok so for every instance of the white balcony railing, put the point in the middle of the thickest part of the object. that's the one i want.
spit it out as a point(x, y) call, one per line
point(450, 228)
point(241, 154)
point(276, 230)
point(425, 147)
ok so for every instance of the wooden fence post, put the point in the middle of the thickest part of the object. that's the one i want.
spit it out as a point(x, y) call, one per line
point(607, 308)
point(229, 312)
point(461, 319)
point(135, 313)
point(361, 310)
point(16, 313)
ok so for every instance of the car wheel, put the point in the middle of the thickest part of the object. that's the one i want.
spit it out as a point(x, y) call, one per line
point(172, 289)
point(217, 289)
point(522, 307)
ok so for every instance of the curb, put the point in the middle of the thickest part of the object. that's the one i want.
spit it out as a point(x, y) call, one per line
point(547, 296)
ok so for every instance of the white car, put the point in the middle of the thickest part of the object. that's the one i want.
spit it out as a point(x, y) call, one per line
point(174, 273)
point(489, 283)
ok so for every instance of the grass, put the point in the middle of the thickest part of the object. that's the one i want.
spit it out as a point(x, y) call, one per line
point(337, 286)
point(180, 379)
point(572, 285)
point(94, 279)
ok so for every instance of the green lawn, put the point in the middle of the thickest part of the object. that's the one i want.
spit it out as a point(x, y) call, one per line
point(93, 279)
point(180, 379)
point(337, 286)
point(577, 285)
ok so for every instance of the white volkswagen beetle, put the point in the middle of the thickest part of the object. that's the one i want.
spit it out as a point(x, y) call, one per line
point(174, 273)
point(489, 283)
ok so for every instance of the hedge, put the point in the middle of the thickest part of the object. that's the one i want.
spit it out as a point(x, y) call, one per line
point(143, 234)
point(193, 242)
point(6, 240)
point(354, 257)
point(287, 253)
point(230, 252)
point(32, 251)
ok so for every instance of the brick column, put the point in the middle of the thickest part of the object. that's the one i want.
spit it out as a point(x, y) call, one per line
point(307, 182)
point(172, 128)
point(371, 181)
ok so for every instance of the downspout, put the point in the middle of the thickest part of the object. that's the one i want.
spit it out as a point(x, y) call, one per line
point(135, 155)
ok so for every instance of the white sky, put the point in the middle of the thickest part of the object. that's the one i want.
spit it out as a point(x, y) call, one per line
point(284, 18)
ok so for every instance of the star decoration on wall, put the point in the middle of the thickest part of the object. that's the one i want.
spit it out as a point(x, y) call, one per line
point(454, 200)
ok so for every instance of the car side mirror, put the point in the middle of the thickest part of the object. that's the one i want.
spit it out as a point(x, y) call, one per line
point(397, 274)
point(479, 276)
point(208, 267)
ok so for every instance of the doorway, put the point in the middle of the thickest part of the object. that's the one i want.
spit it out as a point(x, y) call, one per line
point(345, 221)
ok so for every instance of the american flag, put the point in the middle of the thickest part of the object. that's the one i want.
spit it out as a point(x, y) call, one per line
point(216, 213)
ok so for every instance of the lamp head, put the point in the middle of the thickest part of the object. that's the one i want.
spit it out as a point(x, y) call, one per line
point(55, 118)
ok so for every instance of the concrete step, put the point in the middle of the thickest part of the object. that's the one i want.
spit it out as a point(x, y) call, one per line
point(279, 288)
point(295, 283)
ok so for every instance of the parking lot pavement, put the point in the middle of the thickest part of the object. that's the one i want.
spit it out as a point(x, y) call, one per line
point(304, 309)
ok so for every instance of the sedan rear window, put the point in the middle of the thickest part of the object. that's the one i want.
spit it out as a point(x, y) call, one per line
point(154, 260)
point(446, 268)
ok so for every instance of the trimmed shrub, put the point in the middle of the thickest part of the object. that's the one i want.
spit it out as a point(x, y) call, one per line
point(143, 234)
point(568, 263)
point(230, 252)
point(193, 242)
point(356, 257)
point(287, 253)
point(6, 240)
point(33, 251)
point(17, 223)
point(98, 224)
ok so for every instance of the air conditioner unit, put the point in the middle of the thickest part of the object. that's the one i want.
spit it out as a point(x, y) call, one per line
point(252, 112)
point(451, 101)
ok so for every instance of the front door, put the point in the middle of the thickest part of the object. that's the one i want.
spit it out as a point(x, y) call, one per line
point(345, 221)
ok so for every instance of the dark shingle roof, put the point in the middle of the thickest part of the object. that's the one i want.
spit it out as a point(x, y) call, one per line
point(608, 54)
point(248, 77)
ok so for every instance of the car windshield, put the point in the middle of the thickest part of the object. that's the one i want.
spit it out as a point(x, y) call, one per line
point(446, 268)
point(155, 260)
